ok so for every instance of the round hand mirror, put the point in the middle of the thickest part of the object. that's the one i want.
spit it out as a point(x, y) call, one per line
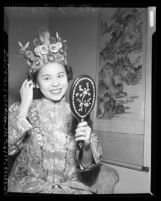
point(82, 96)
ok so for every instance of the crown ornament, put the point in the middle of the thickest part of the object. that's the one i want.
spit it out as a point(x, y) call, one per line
point(47, 49)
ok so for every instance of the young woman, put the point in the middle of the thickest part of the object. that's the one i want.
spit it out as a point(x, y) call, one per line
point(43, 131)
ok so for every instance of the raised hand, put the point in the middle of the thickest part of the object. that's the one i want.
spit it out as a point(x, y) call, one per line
point(26, 93)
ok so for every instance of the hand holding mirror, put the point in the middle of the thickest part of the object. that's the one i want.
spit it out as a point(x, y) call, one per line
point(82, 97)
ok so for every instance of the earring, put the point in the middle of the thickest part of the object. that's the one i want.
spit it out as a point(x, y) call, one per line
point(36, 86)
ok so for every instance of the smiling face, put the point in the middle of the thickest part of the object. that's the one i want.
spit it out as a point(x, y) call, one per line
point(52, 81)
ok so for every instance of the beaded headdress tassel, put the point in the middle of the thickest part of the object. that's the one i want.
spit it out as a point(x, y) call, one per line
point(47, 49)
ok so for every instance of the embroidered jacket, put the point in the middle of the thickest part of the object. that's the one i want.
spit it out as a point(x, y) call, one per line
point(46, 162)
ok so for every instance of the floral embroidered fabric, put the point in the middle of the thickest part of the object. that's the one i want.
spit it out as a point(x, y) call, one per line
point(46, 162)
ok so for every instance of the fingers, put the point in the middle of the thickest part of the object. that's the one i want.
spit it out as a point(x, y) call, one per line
point(80, 139)
point(83, 127)
point(82, 136)
point(83, 132)
point(27, 83)
point(23, 84)
point(82, 124)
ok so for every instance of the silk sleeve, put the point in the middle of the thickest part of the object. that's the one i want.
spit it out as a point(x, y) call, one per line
point(17, 129)
point(96, 149)
point(96, 153)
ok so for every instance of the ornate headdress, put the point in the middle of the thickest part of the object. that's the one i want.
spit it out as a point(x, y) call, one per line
point(47, 49)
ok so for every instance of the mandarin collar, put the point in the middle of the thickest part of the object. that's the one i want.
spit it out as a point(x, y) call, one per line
point(56, 103)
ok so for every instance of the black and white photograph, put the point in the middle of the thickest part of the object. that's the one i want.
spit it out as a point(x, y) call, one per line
point(79, 100)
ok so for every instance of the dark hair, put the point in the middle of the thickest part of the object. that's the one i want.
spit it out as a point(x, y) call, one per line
point(68, 70)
